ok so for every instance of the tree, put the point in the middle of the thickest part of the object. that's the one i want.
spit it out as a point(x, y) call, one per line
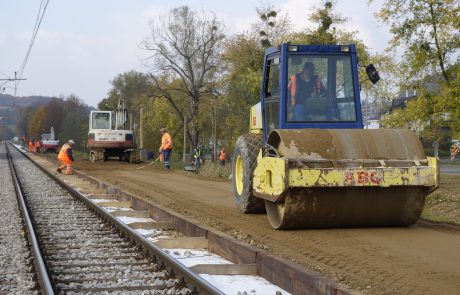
point(25, 115)
point(75, 124)
point(271, 27)
point(55, 114)
point(325, 18)
point(37, 122)
point(428, 30)
point(185, 49)
point(243, 59)
point(133, 87)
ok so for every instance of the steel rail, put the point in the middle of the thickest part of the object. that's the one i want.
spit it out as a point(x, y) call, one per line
point(189, 277)
point(40, 266)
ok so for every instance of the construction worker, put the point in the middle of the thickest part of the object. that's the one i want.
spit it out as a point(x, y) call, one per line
point(31, 145)
point(38, 145)
point(302, 86)
point(23, 141)
point(166, 147)
point(197, 157)
point(222, 156)
point(66, 158)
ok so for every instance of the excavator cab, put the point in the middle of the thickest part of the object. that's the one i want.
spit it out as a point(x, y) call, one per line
point(307, 160)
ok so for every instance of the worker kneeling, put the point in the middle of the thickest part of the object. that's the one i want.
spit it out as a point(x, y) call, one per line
point(66, 158)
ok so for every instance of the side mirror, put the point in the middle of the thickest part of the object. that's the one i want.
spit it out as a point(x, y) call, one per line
point(372, 74)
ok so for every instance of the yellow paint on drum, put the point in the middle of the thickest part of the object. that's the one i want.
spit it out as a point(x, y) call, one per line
point(383, 177)
point(269, 176)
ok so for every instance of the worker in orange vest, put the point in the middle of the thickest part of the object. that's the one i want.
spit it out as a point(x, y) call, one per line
point(166, 147)
point(31, 145)
point(222, 156)
point(38, 145)
point(66, 158)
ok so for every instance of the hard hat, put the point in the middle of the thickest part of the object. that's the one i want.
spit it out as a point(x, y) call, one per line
point(71, 141)
point(163, 130)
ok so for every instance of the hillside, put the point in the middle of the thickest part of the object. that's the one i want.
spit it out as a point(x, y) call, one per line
point(9, 100)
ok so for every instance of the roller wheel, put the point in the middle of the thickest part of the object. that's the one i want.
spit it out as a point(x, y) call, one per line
point(347, 207)
point(244, 162)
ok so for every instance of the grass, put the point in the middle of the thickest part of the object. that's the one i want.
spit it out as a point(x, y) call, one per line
point(443, 205)
point(215, 170)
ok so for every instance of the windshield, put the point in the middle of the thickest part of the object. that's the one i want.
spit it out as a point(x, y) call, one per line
point(320, 89)
point(101, 121)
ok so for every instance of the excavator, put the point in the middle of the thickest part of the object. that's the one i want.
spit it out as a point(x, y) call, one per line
point(308, 162)
point(110, 136)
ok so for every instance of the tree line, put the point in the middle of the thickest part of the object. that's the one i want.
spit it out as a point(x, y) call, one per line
point(205, 80)
point(68, 116)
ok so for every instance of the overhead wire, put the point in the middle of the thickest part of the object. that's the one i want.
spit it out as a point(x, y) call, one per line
point(38, 22)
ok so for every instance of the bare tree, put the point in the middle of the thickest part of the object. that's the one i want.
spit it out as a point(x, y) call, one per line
point(185, 49)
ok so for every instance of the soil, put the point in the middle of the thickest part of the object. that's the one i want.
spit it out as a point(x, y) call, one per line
point(421, 259)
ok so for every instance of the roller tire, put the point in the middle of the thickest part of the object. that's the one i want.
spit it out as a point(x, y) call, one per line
point(247, 148)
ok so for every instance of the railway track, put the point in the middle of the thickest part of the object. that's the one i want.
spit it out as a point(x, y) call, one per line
point(17, 272)
point(79, 252)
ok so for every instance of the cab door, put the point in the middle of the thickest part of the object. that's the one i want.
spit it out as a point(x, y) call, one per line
point(271, 95)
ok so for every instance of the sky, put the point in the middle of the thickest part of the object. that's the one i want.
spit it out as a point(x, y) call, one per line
point(81, 46)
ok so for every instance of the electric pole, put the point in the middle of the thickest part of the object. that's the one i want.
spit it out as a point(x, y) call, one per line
point(13, 80)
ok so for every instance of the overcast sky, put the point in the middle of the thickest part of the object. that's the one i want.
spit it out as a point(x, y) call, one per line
point(83, 45)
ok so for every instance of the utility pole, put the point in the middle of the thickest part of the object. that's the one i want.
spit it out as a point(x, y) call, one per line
point(185, 139)
point(13, 80)
point(141, 128)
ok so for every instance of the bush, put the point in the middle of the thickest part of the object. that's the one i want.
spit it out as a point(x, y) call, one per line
point(215, 170)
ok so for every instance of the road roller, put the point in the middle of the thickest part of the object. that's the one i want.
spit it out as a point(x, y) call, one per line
point(307, 160)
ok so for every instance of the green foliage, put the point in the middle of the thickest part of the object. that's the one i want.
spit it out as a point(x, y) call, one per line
point(69, 118)
point(25, 115)
point(54, 116)
point(428, 31)
point(325, 18)
point(75, 123)
point(431, 110)
point(132, 87)
point(243, 58)
point(272, 27)
point(37, 122)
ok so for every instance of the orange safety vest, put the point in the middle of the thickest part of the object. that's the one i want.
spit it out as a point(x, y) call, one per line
point(31, 145)
point(166, 142)
point(222, 155)
point(292, 88)
point(63, 156)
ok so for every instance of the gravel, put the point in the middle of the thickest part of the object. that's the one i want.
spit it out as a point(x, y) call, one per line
point(16, 265)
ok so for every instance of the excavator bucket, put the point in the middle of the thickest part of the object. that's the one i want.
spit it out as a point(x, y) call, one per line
point(318, 178)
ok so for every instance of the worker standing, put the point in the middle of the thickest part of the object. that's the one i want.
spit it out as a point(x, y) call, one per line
point(222, 156)
point(197, 157)
point(38, 145)
point(166, 147)
point(65, 156)
point(31, 145)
